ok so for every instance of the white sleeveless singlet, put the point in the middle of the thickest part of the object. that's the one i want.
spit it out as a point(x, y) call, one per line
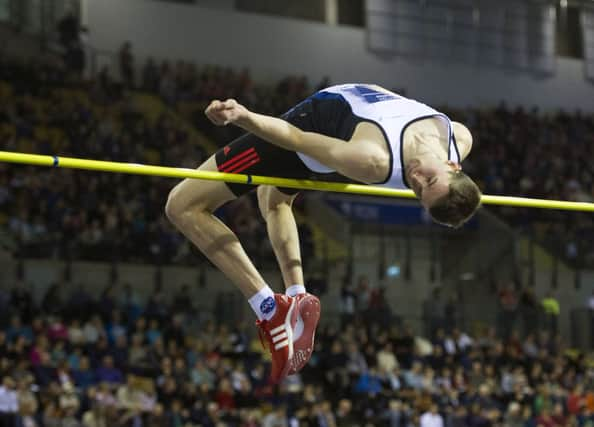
point(392, 113)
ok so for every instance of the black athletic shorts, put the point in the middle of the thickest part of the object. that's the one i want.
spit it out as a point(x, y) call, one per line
point(251, 155)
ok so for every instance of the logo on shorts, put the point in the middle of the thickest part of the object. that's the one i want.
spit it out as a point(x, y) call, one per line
point(226, 150)
point(267, 305)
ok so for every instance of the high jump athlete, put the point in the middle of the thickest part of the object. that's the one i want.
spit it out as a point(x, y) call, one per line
point(348, 133)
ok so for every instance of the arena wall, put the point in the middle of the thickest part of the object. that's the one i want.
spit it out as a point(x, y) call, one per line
point(405, 296)
point(274, 47)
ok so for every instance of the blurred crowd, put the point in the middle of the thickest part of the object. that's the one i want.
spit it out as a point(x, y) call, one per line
point(61, 213)
point(517, 152)
point(116, 359)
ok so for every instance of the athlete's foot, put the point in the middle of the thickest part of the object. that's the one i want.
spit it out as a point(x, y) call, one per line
point(278, 333)
point(308, 309)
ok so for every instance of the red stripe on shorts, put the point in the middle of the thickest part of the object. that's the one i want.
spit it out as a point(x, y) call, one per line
point(240, 165)
point(250, 163)
point(236, 158)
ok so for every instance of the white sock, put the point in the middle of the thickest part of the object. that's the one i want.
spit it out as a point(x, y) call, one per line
point(263, 303)
point(295, 290)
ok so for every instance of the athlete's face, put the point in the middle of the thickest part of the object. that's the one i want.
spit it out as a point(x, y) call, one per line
point(430, 178)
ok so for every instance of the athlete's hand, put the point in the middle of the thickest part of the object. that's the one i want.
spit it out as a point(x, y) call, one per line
point(222, 113)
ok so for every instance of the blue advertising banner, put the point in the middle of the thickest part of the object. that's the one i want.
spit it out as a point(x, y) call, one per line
point(379, 212)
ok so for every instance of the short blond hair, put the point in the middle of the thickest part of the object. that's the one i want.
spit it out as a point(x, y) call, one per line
point(460, 204)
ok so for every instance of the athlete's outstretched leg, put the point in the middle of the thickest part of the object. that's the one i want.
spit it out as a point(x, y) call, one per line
point(190, 208)
point(282, 231)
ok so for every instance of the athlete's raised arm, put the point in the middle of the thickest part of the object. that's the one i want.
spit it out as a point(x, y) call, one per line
point(354, 159)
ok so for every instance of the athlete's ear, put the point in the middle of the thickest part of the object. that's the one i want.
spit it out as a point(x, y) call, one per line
point(454, 165)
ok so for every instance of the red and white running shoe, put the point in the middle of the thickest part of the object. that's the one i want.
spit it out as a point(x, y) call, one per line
point(278, 333)
point(308, 314)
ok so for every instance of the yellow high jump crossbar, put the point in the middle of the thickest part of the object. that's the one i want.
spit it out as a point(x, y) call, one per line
point(171, 172)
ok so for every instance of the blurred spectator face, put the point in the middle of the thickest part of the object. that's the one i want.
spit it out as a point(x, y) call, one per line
point(336, 347)
point(225, 386)
point(84, 363)
point(352, 348)
point(172, 347)
point(141, 324)
point(46, 359)
point(108, 362)
point(158, 345)
point(121, 341)
point(8, 383)
point(484, 390)
point(102, 343)
point(245, 386)
point(176, 406)
point(15, 322)
point(104, 387)
point(212, 408)
point(170, 384)
point(514, 408)
point(137, 340)
point(461, 411)
point(23, 385)
point(158, 410)
point(41, 342)
point(55, 389)
point(166, 364)
point(180, 364)
point(395, 405)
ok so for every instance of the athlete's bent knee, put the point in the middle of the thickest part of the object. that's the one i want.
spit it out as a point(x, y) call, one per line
point(182, 205)
point(177, 206)
point(174, 208)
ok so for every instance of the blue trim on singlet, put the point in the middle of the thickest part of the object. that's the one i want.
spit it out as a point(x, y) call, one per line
point(453, 139)
point(328, 95)
point(371, 95)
